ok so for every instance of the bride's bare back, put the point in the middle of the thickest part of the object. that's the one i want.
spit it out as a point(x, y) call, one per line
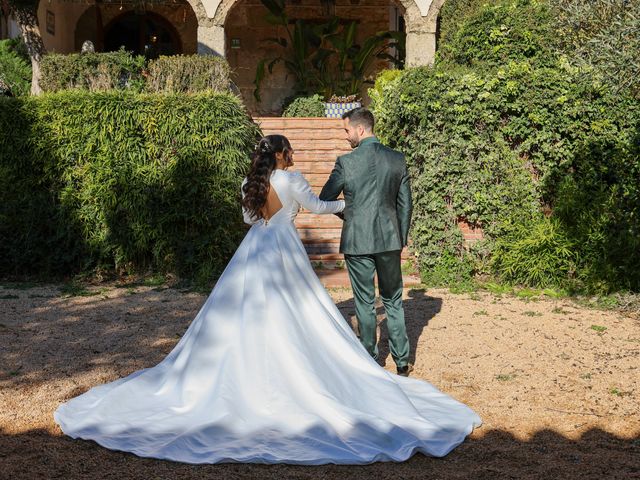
point(272, 206)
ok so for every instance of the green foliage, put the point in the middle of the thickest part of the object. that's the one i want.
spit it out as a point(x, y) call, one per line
point(92, 71)
point(121, 181)
point(491, 34)
point(496, 133)
point(15, 66)
point(325, 57)
point(598, 203)
point(305, 107)
point(602, 36)
point(188, 74)
point(537, 254)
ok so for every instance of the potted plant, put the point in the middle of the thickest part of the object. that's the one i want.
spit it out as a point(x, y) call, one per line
point(338, 105)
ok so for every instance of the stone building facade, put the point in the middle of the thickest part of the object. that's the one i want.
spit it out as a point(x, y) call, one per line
point(235, 29)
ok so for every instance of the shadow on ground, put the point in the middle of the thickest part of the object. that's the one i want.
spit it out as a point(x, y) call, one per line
point(419, 309)
point(492, 454)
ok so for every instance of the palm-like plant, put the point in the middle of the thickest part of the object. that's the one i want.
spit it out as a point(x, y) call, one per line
point(324, 57)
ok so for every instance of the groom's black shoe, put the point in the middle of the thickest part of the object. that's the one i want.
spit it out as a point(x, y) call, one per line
point(406, 370)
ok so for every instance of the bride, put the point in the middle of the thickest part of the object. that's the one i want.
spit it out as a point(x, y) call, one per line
point(269, 371)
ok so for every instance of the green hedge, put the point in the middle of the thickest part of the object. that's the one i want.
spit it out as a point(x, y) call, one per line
point(188, 74)
point(123, 71)
point(121, 181)
point(92, 71)
point(507, 140)
point(15, 67)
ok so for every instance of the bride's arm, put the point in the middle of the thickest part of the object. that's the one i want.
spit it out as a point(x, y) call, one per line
point(303, 194)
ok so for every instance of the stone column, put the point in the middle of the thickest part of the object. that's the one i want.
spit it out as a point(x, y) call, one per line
point(421, 18)
point(211, 39)
point(421, 48)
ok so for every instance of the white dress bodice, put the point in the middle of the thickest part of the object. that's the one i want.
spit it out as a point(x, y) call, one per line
point(294, 192)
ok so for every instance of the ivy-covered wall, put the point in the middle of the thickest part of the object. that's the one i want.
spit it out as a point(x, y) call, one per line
point(505, 133)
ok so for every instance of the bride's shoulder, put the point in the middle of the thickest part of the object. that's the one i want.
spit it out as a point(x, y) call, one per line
point(291, 176)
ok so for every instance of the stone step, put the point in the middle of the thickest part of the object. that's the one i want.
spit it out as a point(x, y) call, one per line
point(336, 255)
point(280, 123)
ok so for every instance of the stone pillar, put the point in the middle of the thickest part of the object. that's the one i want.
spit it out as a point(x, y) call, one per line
point(421, 17)
point(211, 40)
point(421, 48)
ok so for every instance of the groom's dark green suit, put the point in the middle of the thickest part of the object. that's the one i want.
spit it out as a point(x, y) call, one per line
point(377, 215)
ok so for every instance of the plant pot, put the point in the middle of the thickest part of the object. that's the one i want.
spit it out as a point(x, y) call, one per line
point(335, 110)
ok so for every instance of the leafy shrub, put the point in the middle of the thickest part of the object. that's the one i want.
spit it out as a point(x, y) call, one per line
point(491, 34)
point(305, 107)
point(92, 71)
point(493, 131)
point(602, 35)
point(598, 203)
point(15, 66)
point(537, 253)
point(188, 74)
point(121, 181)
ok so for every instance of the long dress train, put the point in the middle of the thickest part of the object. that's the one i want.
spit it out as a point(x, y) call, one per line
point(270, 372)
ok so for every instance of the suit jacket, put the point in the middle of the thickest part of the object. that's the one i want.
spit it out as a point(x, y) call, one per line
point(377, 193)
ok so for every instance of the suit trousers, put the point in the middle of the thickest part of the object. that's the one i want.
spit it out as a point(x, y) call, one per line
point(361, 270)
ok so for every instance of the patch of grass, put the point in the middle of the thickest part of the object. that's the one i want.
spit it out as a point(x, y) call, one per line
point(408, 267)
point(617, 392)
point(586, 376)
point(505, 377)
point(559, 311)
point(480, 313)
point(154, 281)
point(463, 287)
point(598, 328)
point(530, 313)
point(474, 296)
point(528, 293)
point(75, 289)
point(497, 288)
point(131, 291)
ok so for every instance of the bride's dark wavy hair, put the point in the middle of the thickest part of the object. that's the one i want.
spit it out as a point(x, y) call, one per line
point(262, 164)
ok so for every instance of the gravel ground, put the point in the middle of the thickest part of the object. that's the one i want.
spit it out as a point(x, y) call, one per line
point(557, 385)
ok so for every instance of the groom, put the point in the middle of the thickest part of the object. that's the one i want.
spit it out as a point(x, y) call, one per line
point(377, 215)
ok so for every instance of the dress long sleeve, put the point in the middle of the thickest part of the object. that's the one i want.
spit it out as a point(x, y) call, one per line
point(303, 194)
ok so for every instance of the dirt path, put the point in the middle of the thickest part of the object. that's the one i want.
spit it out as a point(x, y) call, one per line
point(557, 385)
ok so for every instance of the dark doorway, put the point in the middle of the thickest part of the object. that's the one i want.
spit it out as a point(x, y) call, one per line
point(144, 33)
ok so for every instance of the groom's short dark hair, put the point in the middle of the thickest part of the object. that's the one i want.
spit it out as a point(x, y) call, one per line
point(360, 116)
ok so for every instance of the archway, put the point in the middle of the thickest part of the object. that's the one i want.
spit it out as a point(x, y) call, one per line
point(179, 14)
point(145, 33)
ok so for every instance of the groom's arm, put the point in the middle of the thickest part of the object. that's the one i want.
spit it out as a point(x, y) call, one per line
point(404, 207)
point(335, 184)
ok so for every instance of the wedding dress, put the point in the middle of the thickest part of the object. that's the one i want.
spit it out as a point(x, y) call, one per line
point(270, 372)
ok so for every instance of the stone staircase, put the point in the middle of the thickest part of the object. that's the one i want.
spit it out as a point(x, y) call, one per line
point(317, 142)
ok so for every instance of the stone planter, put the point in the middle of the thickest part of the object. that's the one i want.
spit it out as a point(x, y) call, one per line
point(335, 110)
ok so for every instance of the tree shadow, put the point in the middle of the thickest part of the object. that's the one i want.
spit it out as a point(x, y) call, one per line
point(595, 454)
point(419, 309)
